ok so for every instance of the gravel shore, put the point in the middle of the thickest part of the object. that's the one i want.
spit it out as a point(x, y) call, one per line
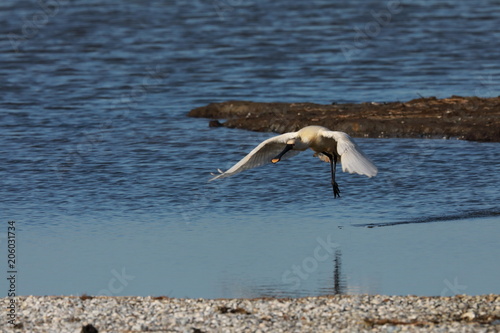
point(347, 313)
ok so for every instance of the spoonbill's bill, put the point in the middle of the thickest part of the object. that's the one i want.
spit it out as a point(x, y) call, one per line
point(329, 146)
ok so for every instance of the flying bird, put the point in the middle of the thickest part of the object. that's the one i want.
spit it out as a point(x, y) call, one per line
point(329, 146)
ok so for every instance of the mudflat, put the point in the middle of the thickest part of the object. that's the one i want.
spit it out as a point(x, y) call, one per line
point(466, 118)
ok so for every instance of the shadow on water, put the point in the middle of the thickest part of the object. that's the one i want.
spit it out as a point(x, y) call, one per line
point(431, 219)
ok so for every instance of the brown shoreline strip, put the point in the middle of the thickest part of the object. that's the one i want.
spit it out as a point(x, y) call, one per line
point(466, 118)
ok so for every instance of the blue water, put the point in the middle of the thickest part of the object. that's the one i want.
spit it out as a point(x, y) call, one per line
point(106, 177)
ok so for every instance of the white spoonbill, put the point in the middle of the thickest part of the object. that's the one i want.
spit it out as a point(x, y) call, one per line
point(329, 146)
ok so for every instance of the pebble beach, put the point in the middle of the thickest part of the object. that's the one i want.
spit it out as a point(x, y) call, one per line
point(341, 313)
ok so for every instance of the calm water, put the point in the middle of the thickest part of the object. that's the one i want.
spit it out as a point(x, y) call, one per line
point(107, 179)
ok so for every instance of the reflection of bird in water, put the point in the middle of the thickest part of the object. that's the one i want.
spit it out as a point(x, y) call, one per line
point(329, 146)
point(338, 284)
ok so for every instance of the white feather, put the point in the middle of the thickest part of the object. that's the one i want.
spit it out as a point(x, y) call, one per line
point(320, 139)
point(262, 154)
point(352, 158)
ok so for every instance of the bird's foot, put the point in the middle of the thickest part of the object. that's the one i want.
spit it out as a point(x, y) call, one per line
point(336, 190)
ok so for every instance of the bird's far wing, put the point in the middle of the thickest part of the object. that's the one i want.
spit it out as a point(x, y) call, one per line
point(262, 154)
point(352, 158)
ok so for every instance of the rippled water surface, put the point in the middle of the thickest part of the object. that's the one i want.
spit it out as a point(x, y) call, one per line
point(106, 177)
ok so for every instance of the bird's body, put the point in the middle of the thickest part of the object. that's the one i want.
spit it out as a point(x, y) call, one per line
point(318, 140)
point(329, 146)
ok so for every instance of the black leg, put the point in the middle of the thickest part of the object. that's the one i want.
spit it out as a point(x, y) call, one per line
point(333, 166)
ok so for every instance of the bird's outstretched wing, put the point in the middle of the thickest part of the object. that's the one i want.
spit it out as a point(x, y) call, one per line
point(262, 154)
point(352, 158)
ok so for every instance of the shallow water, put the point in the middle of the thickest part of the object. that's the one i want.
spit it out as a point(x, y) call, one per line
point(107, 179)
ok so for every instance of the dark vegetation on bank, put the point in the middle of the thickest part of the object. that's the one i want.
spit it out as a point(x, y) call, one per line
point(467, 118)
